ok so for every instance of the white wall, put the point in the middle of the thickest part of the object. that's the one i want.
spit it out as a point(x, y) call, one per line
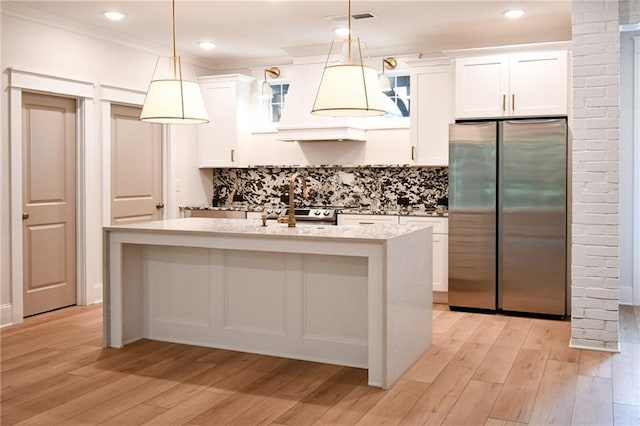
point(627, 254)
point(35, 47)
point(5, 297)
point(190, 185)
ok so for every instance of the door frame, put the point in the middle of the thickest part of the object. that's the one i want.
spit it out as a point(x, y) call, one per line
point(121, 96)
point(635, 289)
point(83, 93)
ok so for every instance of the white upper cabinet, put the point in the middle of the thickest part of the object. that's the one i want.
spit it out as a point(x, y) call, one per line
point(482, 85)
point(512, 85)
point(431, 111)
point(539, 83)
point(222, 140)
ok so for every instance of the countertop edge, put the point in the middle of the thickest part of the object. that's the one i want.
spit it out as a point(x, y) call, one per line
point(155, 227)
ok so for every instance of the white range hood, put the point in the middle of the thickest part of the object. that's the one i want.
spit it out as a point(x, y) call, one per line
point(298, 124)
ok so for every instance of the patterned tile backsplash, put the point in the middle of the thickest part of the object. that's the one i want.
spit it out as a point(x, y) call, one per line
point(356, 187)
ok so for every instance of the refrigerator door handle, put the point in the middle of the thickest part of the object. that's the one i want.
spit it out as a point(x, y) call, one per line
point(533, 121)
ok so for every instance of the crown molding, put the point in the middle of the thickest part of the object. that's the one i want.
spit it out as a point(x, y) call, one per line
point(481, 51)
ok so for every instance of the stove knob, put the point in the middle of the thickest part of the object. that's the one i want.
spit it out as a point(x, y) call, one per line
point(269, 211)
point(278, 211)
point(317, 212)
point(326, 213)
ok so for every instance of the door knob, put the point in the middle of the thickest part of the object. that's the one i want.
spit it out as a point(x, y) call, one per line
point(160, 205)
point(25, 216)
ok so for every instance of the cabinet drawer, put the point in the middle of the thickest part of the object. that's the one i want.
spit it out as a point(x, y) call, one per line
point(440, 224)
point(218, 214)
point(366, 219)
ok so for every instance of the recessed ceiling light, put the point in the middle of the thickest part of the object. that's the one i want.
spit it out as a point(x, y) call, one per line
point(342, 32)
point(514, 14)
point(114, 16)
point(207, 45)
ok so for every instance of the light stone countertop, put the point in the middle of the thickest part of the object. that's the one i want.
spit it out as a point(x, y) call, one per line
point(254, 228)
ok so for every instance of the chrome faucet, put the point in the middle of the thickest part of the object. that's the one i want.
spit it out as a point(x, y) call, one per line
point(291, 222)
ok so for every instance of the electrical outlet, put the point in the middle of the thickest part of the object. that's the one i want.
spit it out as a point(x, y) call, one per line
point(178, 185)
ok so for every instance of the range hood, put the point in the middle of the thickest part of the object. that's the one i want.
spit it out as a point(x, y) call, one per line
point(298, 124)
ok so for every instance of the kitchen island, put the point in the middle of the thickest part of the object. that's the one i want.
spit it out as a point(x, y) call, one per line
point(347, 295)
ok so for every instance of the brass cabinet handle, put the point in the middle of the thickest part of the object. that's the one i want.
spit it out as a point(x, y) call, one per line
point(25, 216)
point(504, 102)
point(513, 102)
point(366, 223)
point(160, 205)
point(233, 151)
point(413, 152)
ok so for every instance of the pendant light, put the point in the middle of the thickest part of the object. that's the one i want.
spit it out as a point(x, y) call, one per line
point(172, 97)
point(349, 88)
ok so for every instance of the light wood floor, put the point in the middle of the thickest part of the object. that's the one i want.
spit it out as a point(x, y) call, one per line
point(482, 369)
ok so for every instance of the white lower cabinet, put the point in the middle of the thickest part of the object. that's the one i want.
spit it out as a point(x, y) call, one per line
point(440, 248)
point(366, 219)
point(440, 240)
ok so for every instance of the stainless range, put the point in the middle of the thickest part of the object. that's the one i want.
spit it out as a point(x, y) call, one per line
point(306, 215)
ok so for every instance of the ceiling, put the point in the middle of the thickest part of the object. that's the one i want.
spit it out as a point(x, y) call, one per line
point(257, 33)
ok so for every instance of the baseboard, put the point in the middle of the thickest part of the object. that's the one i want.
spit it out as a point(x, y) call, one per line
point(6, 314)
point(592, 348)
point(97, 293)
point(440, 297)
point(626, 295)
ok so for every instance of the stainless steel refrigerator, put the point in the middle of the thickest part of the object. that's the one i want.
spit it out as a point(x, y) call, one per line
point(508, 215)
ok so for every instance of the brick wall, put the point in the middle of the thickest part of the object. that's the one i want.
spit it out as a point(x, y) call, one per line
point(629, 11)
point(595, 231)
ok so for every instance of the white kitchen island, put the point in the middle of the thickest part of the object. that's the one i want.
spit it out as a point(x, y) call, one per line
point(348, 295)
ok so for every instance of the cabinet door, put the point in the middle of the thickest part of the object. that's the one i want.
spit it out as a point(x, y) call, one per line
point(431, 94)
point(440, 262)
point(538, 83)
point(440, 248)
point(254, 215)
point(482, 86)
point(440, 224)
point(218, 143)
point(366, 219)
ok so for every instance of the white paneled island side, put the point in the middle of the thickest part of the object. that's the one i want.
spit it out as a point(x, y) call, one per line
point(347, 295)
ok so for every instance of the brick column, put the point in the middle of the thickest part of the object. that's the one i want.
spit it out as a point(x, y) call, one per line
point(595, 128)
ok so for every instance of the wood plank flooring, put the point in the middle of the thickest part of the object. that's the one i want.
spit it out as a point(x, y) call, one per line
point(482, 370)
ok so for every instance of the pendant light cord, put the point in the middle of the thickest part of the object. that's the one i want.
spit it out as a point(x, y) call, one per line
point(349, 26)
point(176, 66)
point(173, 20)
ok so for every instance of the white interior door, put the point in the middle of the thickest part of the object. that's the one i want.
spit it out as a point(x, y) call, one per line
point(136, 167)
point(48, 202)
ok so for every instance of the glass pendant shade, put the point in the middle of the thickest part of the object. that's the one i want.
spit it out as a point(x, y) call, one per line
point(385, 83)
point(349, 90)
point(267, 91)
